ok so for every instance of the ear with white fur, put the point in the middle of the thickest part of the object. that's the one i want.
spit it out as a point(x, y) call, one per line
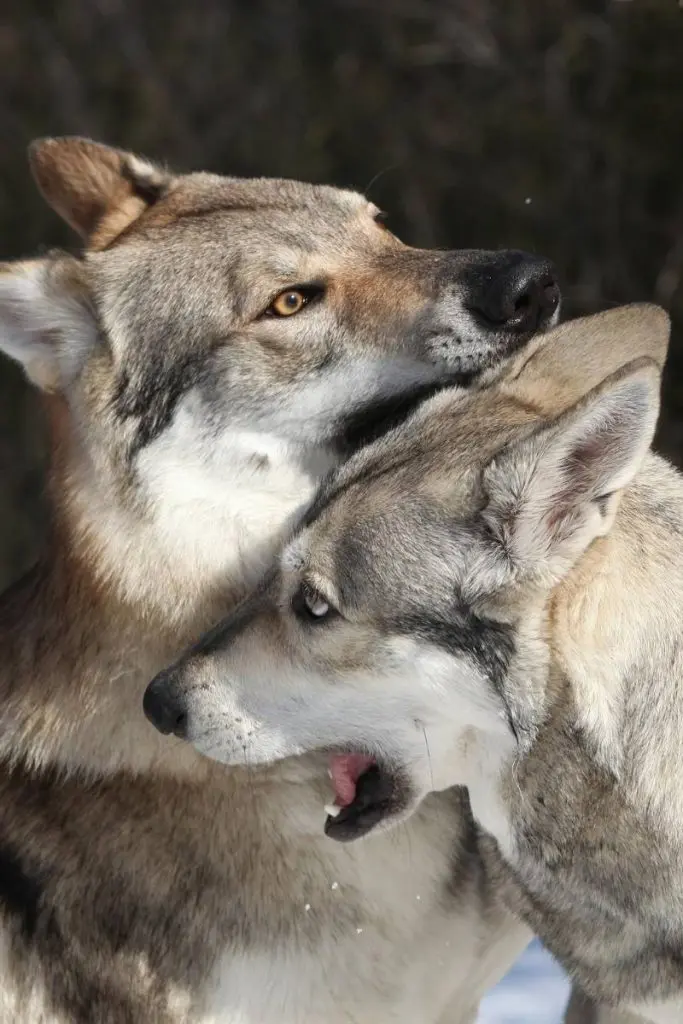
point(98, 190)
point(45, 321)
point(551, 494)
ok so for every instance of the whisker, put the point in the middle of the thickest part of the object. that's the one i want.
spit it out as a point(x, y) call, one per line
point(429, 756)
point(385, 170)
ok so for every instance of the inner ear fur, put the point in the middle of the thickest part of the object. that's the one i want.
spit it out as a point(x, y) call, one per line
point(98, 190)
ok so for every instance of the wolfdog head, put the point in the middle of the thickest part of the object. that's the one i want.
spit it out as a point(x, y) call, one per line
point(409, 609)
point(221, 341)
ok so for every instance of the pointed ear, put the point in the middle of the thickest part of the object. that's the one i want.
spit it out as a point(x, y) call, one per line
point(552, 493)
point(99, 191)
point(46, 323)
point(558, 368)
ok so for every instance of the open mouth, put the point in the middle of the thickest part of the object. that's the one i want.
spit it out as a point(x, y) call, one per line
point(365, 793)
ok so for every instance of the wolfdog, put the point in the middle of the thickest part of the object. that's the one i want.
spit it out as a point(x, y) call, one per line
point(217, 346)
point(490, 595)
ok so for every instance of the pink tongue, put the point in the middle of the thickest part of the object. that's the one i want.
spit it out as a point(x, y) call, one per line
point(345, 770)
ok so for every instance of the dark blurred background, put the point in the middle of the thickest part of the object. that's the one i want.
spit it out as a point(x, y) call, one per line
point(550, 125)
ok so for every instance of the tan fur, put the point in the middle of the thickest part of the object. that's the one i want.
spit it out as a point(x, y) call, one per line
point(551, 379)
point(140, 882)
point(99, 191)
point(496, 604)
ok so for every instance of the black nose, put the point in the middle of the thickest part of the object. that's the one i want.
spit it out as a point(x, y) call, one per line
point(517, 292)
point(164, 707)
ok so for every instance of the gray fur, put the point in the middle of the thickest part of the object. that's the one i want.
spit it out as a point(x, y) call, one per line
point(506, 574)
point(139, 882)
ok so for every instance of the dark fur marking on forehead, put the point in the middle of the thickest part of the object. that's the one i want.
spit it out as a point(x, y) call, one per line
point(21, 890)
point(221, 635)
point(489, 643)
point(333, 487)
point(367, 424)
point(359, 430)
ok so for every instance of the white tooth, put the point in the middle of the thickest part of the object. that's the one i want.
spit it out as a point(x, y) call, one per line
point(332, 810)
point(329, 773)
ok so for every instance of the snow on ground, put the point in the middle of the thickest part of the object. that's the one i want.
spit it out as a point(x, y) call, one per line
point(535, 991)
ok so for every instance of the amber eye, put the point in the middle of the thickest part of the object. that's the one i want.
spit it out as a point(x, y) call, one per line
point(288, 303)
point(381, 219)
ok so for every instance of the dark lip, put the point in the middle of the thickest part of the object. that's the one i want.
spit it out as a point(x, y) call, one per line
point(381, 792)
point(370, 422)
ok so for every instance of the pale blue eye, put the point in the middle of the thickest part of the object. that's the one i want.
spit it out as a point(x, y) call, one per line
point(317, 605)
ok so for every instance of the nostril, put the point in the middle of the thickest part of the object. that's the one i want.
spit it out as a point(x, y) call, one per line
point(180, 725)
point(551, 294)
point(528, 301)
point(519, 294)
point(522, 303)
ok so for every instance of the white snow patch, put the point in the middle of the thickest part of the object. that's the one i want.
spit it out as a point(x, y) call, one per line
point(535, 991)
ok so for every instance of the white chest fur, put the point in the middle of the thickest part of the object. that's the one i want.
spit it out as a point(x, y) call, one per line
point(390, 930)
point(389, 942)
